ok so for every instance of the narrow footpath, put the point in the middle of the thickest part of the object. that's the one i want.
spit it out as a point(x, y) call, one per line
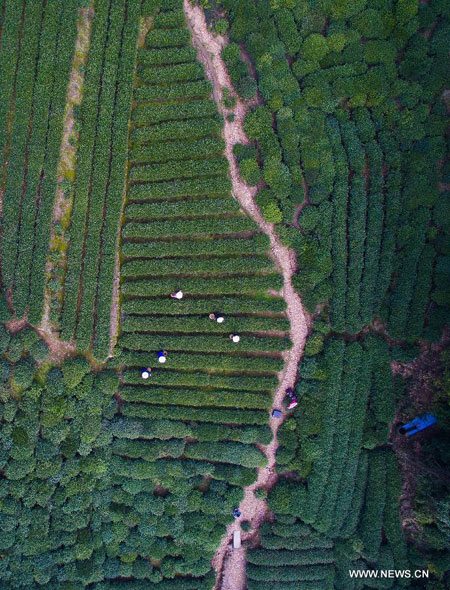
point(230, 565)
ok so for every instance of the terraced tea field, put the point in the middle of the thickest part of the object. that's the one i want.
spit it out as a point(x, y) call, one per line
point(209, 211)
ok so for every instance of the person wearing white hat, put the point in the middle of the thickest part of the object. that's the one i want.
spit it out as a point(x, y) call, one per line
point(162, 356)
point(146, 373)
point(235, 337)
point(218, 317)
point(177, 295)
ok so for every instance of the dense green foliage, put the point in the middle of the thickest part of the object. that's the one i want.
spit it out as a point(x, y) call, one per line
point(337, 506)
point(352, 127)
point(115, 482)
point(36, 50)
point(101, 160)
point(109, 485)
point(349, 139)
point(89, 496)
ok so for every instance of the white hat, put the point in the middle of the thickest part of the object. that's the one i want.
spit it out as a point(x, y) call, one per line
point(179, 295)
point(236, 338)
point(145, 374)
point(162, 359)
point(220, 319)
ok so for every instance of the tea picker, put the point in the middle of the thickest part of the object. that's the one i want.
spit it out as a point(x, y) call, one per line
point(146, 373)
point(177, 295)
point(291, 395)
point(218, 317)
point(162, 356)
point(235, 337)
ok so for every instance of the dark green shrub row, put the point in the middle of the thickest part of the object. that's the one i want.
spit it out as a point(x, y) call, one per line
point(137, 469)
point(167, 38)
point(357, 238)
point(25, 250)
point(178, 583)
point(199, 286)
point(169, 112)
point(188, 90)
point(149, 451)
point(100, 181)
point(349, 477)
point(293, 542)
point(288, 573)
point(194, 306)
point(115, 188)
point(227, 452)
point(66, 43)
point(171, 19)
point(220, 362)
point(183, 169)
point(203, 380)
point(421, 295)
point(9, 54)
point(177, 130)
point(42, 98)
point(404, 288)
point(382, 390)
point(215, 186)
point(202, 343)
point(162, 57)
point(149, 429)
point(339, 250)
point(196, 266)
point(151, 7)
point(164, 229)
point(203, 324)
point(163, 152)
point(283, 557)
point(186, 397)
point(371, 522)
point(239, 71)
point(206, 207)
point(388, 114)
point(256, 244)
point(85, 150)
point(215, 415)
point(374, 228)
point(315, 585)
point(185, 72)
point(202, 431)
point(331, 373)
point(16, 170)
point(344, 420)
point(392, 528)
point(351, 523)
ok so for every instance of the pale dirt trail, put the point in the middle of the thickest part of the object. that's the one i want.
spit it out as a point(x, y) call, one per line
point(230, 565)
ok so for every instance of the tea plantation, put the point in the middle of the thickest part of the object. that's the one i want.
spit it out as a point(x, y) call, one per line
point(133, 424)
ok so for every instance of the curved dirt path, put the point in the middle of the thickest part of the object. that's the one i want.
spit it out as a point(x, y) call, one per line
point(230, 565)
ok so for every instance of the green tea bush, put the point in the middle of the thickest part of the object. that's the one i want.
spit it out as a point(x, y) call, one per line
point(232, 305)
point(25, 249)
point(256, 244)
point(185, 72)
point(160, 57)
point(165, 112)
point(163, 152)
point(203, 324)
point(167, 38)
